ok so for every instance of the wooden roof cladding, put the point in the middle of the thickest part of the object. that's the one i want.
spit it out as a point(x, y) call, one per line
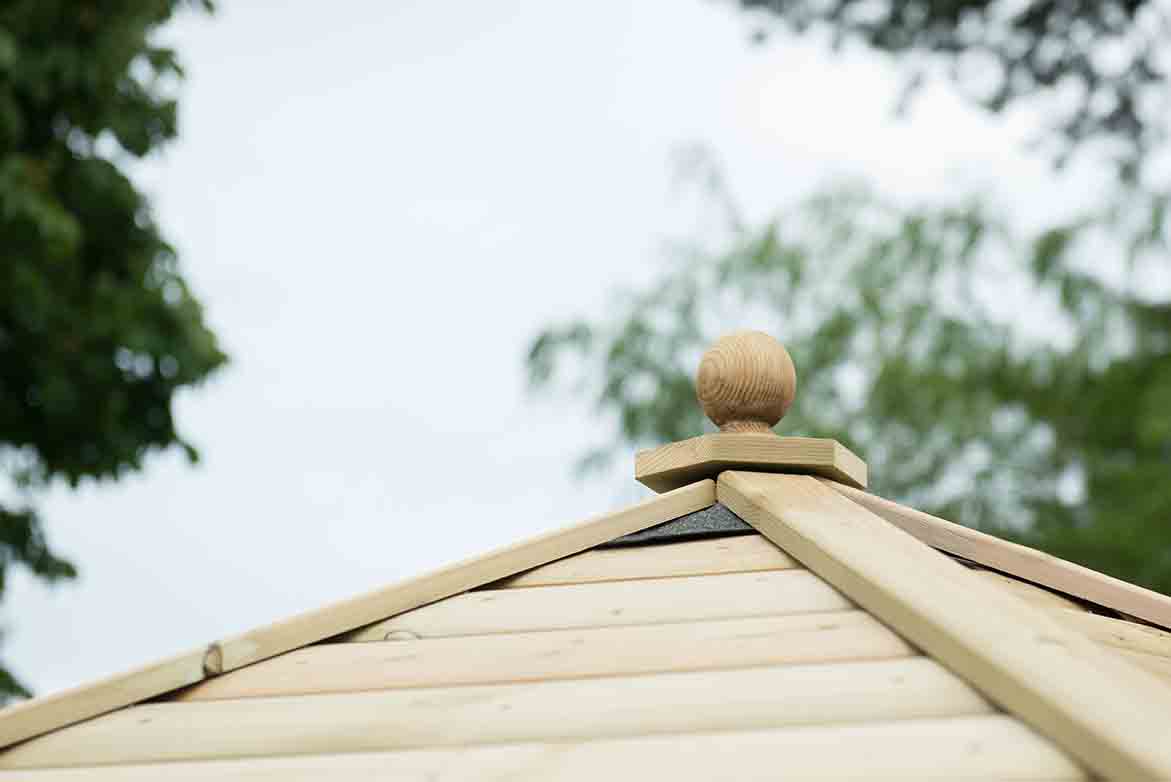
point(41, 715)
point(828, 629)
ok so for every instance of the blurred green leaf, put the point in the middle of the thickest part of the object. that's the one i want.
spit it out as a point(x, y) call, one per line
point(98, 330)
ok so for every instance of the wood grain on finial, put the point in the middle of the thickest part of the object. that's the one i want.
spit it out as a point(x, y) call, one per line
point(746, 382)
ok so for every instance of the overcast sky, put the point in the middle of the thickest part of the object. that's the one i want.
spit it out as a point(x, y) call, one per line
point(380, 204)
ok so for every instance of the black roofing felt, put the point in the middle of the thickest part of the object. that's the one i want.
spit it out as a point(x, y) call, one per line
point(714, 521)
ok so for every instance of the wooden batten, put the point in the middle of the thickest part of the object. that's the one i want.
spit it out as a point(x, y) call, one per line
point(1017, 560)
point(1144, 645)
point(32, 718)
point(1102, 710)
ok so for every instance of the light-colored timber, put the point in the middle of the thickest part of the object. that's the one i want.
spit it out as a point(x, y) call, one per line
point(678, 464)
point(1155, 664)
point(1118, 633)
point(1147, 646)
point(35, 717)
point(365, 609)
point(657, 600)
point(735, 554)
point(956, 749)
point(1107, 713)
point(745, 699)
point(44, 714)
point(1042, 598)
point(1017, 560)
point(560, 654)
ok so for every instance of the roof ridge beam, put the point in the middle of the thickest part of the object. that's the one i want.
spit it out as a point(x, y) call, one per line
point(1103, 711)
point(41, 715)
point(1017, 560)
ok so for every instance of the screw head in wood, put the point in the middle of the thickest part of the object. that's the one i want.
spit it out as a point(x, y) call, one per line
point(746, 382)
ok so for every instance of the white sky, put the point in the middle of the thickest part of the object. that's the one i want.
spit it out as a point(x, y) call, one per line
point(380, 204)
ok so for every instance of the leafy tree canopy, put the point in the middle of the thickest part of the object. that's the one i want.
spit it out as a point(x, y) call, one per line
point(1017, 382)
point(97, 328)
point(1098, 67)
point(905, 327)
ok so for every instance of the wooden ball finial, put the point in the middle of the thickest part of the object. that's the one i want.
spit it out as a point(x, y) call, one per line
point(746, 382)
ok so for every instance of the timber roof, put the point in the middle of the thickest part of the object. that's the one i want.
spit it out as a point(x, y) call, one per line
point(756, 621)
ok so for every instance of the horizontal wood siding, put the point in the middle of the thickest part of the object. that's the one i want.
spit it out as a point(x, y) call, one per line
point(551, 711)
point(643, 601)
point(561, 654)
point(969, 748)
point(731, 554)
point(44, 714)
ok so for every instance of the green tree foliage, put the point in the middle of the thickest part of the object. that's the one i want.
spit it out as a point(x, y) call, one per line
point(97, 328)
point(1099, 66)
point(1016, 382)
point(905, 328)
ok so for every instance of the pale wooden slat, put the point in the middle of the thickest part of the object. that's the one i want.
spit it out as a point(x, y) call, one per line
point(1143, 645)
point(967, 748)
point(1155, 664)
point(561, 654)
point(44, 714)
point(645, 601)
point(1112, 716)
point(552, 711)
point(356, 612)
point(1104, 630)
point(1020, 561)
point(35, 717)
point(733, 554)
point(1147, 647)
point(1041, 598)
point(1118, 633)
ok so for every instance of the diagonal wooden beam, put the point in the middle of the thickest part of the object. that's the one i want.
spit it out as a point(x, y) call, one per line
point(1017, 560)
point(1113, 717)
point(42, 715)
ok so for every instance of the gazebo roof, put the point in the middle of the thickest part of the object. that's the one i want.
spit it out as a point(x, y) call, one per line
point(761, 619)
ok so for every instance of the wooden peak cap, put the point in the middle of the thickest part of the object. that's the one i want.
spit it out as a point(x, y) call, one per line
point(746, 383)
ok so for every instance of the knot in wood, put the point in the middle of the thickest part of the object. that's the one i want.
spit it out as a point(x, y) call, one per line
point(746, 382)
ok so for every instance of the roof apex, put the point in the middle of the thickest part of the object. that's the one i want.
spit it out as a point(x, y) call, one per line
point(746, 383)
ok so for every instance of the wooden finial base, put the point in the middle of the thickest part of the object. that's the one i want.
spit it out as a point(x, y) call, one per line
point(678, 464)
point(746, 383)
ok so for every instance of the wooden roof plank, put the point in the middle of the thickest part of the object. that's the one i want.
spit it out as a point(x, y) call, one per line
point(1109, 714)
point(963, 748)
point(611, 603)
point(561, 654)
point(34, 717)
point(44, 714)
point(732, 554)
point(1017, 560)
point(347, 615)
point(743, 699)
